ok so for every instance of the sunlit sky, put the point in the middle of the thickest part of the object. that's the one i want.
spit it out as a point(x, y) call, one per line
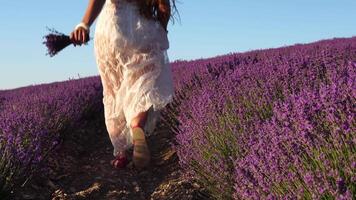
point(207, 28)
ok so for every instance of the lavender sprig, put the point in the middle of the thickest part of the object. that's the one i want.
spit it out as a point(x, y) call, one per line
point(56, 41)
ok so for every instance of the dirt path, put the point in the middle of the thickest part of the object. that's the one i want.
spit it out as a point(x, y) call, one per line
point(82, 170)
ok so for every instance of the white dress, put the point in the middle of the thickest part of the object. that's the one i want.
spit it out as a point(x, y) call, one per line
point(131, 56)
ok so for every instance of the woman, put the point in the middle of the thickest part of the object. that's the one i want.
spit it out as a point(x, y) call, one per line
point(130, 46)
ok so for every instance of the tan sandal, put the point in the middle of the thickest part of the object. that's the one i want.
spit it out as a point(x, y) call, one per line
point(141, 152)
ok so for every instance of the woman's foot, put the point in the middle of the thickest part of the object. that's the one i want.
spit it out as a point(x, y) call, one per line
point(120, 161)
point(141, 153)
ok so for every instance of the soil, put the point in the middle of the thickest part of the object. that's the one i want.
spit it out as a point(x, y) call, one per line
point(81, 169)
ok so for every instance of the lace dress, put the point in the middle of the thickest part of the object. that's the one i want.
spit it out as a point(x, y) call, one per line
point(131, 56)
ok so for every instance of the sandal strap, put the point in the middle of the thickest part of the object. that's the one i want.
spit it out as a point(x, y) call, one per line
point(136, 126)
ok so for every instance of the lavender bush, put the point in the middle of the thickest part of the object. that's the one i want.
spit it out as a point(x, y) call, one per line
point(33, 121)
point(227, 128)
point(307, 149)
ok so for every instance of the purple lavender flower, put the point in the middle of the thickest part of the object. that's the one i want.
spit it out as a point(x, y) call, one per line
point(56, 41)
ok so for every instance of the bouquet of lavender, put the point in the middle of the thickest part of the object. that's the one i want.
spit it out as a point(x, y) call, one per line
point(56, 41)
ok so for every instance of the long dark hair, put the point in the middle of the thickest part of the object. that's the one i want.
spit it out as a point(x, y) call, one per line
point(149, 8)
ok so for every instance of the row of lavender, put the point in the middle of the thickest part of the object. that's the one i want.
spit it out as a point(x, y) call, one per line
point(276, 123)
point(33, 121)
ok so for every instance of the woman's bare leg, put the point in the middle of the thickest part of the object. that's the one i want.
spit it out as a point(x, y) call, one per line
point(141, 153)
point(139, 120)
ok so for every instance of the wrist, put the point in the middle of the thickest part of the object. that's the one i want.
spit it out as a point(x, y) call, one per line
point(83, 25)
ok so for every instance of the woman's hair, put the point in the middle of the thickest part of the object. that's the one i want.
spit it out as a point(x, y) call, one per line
point(149, 8)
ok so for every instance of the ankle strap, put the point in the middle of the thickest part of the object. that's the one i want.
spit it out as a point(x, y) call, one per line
point(136, 126)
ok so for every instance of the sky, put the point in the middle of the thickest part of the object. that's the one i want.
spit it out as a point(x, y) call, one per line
point(207, 28)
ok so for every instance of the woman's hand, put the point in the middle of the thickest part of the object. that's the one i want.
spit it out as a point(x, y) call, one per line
point(79, 36)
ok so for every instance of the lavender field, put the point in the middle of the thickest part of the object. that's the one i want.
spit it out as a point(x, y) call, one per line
point(265, 124)
point(270, 124)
